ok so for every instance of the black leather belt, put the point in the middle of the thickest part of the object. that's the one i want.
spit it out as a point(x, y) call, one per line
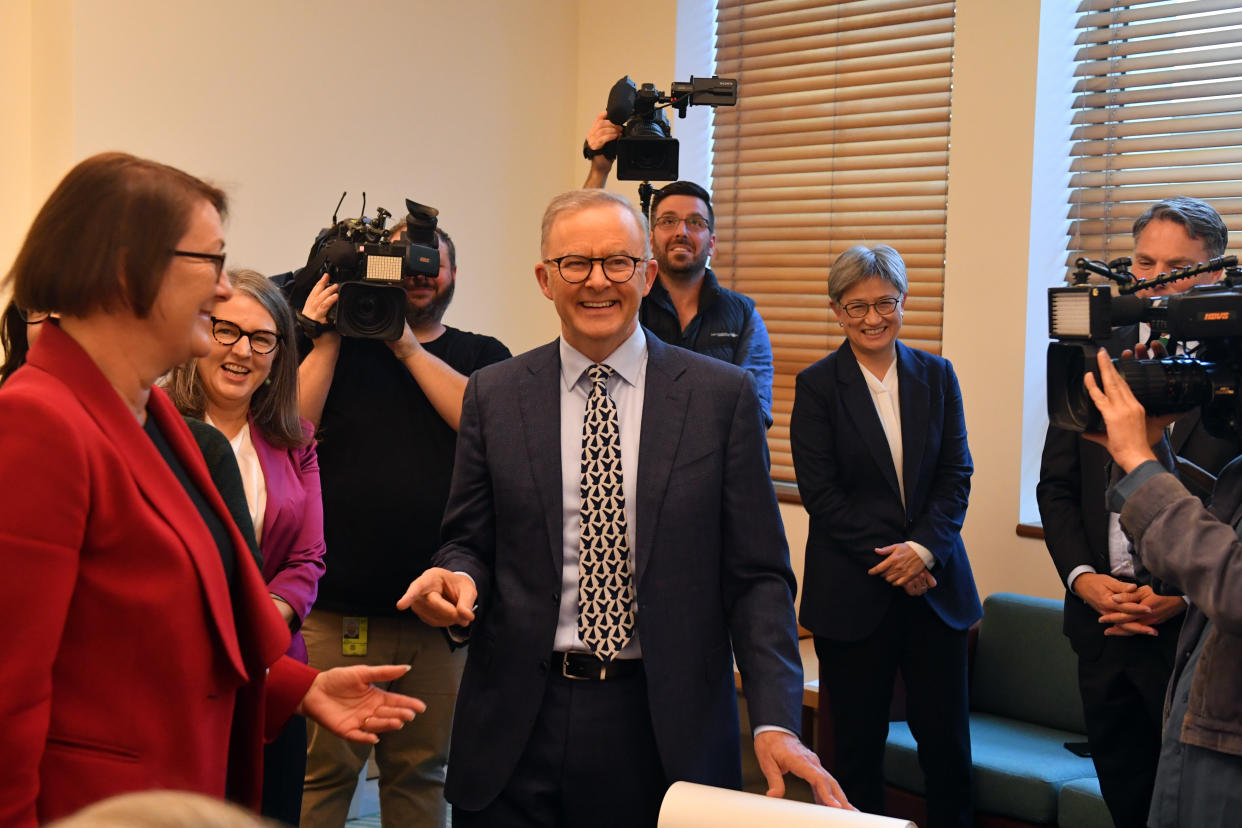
point(586, 667)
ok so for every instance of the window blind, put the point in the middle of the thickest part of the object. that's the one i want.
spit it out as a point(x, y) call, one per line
point(1157, 113)
point(840, 137)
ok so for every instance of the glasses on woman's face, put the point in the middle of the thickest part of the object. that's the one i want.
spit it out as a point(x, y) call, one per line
point(33, 317)
point(217, 259)
point(226, 333)
point(618, 268)
point(857, 310)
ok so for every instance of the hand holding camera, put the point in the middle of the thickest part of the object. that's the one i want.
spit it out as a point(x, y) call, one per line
point(1129, 433)
point(314, 316)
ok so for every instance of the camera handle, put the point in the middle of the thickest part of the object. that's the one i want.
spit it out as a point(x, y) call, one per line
point(645, 192)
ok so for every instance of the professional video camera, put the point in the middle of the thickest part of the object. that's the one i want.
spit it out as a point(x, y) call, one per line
point(359, 254)
point(1206, 320)
point(646, 150)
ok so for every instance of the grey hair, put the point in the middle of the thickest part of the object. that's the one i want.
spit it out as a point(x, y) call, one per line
point(861, 262)
point(1200, 220)
point(575, 201)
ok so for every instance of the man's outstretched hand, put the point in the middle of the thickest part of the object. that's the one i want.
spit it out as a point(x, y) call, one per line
point(441, 598)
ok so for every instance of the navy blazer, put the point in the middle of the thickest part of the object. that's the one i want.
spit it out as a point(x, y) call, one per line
point(849, 486)
point(712, 567)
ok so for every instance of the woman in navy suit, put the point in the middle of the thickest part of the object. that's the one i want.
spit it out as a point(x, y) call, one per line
point(879, 449)
point(247, 387)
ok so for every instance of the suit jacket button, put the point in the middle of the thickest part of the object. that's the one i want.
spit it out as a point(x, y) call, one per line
point(556, 598)
point(543, 666)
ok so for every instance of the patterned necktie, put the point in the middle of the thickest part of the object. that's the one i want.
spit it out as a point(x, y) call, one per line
point(605, 587)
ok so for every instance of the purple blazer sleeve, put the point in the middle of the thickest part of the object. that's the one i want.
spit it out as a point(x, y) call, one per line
point(292, 542)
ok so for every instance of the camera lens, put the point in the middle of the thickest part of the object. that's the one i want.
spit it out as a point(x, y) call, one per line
point(1167, 386)
point(369, 311)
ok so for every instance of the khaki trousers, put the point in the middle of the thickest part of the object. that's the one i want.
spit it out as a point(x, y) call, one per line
point(412, 761)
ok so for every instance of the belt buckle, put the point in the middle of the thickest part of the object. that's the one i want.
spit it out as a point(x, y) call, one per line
point(603, 669)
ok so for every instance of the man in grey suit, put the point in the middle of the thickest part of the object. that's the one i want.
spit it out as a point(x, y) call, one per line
point(606, 589)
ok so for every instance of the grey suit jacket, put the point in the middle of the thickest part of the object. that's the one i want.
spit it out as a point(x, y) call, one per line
point(711, 565)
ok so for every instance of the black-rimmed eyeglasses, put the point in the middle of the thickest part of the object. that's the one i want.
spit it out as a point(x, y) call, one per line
point(618, 268)
point(671, 222)
point(226, 333)
point(857, 310)
point(217, 259)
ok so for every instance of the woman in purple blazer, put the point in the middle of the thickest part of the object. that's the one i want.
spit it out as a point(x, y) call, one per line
point(246, 387)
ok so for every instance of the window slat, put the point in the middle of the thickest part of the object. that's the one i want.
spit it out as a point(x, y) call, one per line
point(1197, 40)
point(1162, 126)
point(1137, 13)
point(1191, 140)
point(1130, 79)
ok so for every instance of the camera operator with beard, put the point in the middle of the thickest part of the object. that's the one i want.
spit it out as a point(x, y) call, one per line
point(1124, 663)
point(687, 306)
point(386, 416)
point(1199, 551)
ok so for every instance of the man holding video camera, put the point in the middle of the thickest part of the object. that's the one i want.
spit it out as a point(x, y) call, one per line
point(386, 416)
point(687, 306)
point(1122, 631)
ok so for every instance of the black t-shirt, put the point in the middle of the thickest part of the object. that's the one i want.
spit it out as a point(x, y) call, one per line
point(385, 462)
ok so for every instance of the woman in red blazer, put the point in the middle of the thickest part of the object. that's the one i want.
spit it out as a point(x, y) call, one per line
point(247, 387)
point(143, 648)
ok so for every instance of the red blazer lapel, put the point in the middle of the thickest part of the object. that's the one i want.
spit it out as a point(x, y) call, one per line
point(61, 356)
point(261, 642)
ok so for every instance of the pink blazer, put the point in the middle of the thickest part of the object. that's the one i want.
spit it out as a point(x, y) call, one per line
point(292, 541)
point(128, 662)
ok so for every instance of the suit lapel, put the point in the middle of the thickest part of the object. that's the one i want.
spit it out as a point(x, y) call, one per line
point(664, 415)
point(860, 408)
point(199, 541)
point(539, 401)
point(914, 401)
point(64, 358)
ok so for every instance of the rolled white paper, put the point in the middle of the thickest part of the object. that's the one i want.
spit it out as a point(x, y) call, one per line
point(687, 805)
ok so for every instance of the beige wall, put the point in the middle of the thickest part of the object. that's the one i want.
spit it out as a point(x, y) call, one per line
point(985, 335)
point(479, 108)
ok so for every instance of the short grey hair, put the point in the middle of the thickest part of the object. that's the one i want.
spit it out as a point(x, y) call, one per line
point(861, 262)
point(575, 201)
point(1199, 219)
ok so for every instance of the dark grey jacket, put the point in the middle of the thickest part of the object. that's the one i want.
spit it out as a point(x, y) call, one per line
point(1198, 550)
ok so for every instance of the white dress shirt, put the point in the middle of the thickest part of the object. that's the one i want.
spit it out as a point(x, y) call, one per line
point(886, 396)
